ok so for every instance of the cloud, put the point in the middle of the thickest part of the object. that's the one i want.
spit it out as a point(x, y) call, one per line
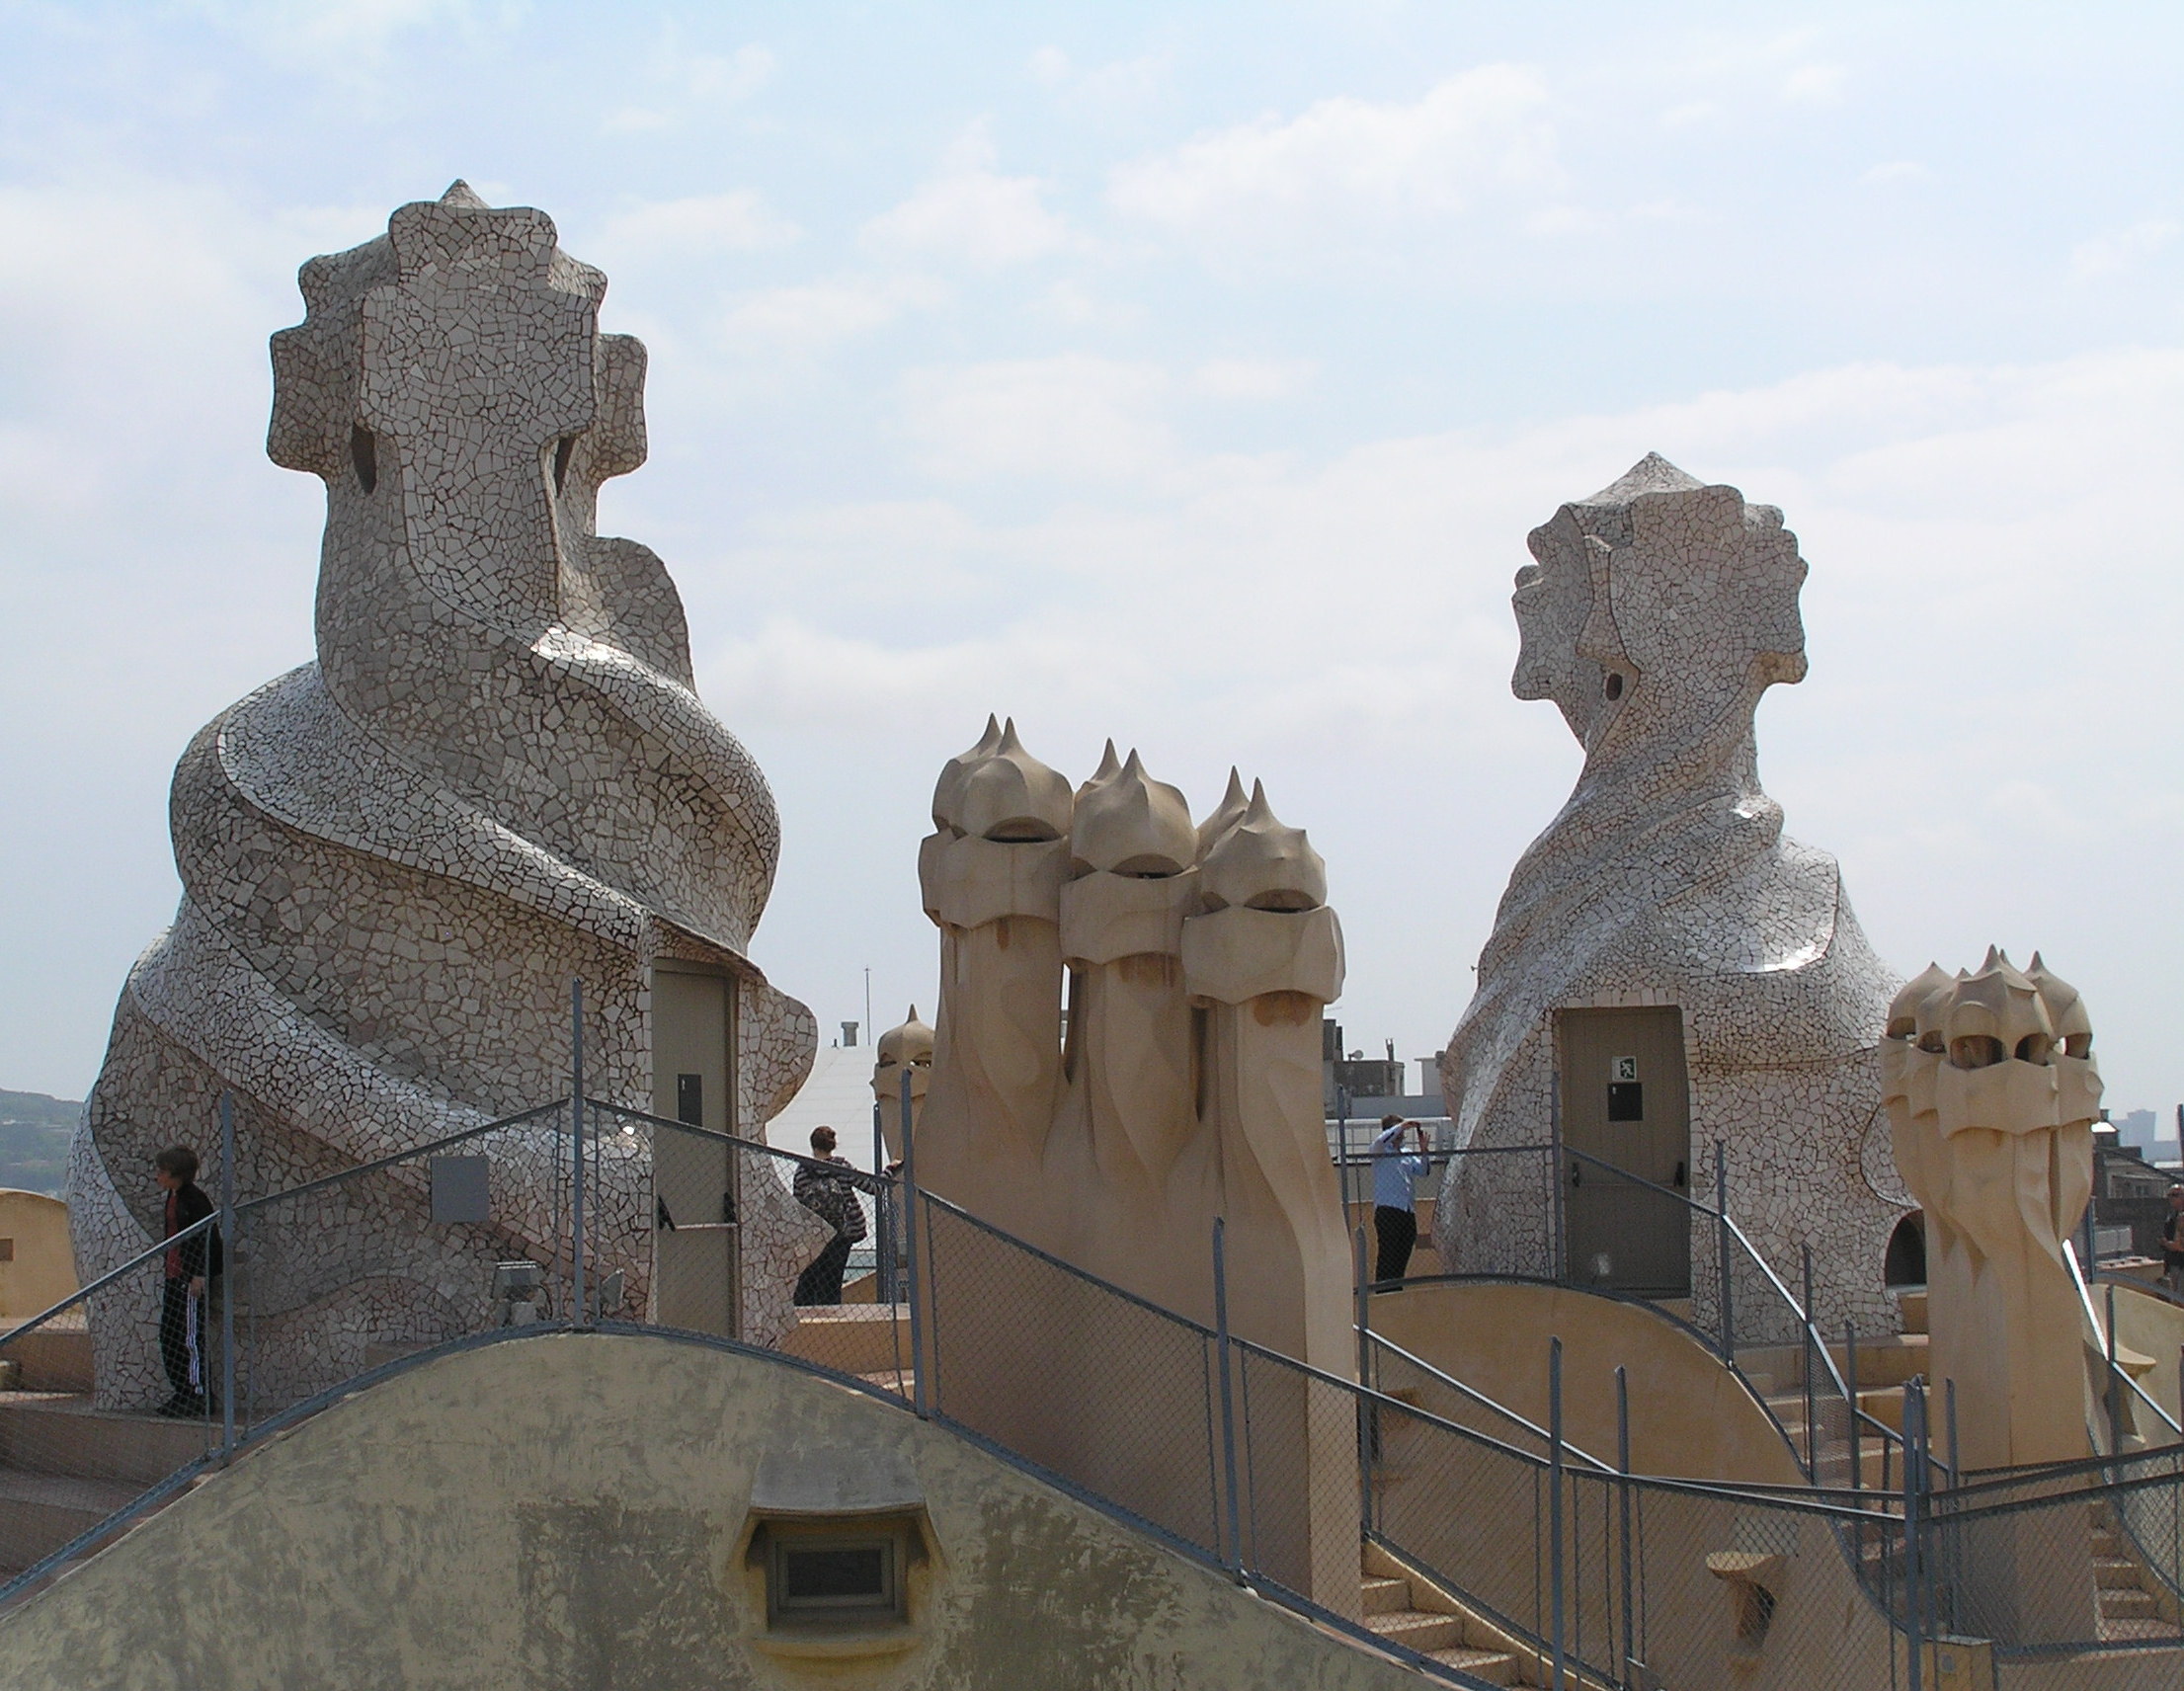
point(1250, 379)
point(971, 212)
point(695, 80)
point(1120, 83)
point(737, 221)
point(1814, 85)
point(1073, 417)
point(336, 35)
point(813, 316)
point(1343, 158)
point(2121, 249)
point(1984, 739)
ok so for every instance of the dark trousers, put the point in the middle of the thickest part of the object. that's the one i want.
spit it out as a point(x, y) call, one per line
point(1398, 1233)
point(821, 1282)
point(182, 1340)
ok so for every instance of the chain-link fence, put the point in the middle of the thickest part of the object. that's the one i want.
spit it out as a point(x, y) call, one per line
point(474, 1232)
point(1289, 1475)
point(2061, 1560)
point(1548, 1201)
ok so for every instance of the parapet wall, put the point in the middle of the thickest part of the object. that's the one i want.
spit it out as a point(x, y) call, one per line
point(571, 1511)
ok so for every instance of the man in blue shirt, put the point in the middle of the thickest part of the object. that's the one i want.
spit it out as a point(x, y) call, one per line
point(1394, 1219)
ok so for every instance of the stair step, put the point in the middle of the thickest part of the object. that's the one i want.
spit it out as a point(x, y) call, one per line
point(1416, 1630)
point(40, 1512)
point(2115, 1573)
point(1495, 1668)
point(61, 1434)
point(2131, 1604)
point(1386, 1596)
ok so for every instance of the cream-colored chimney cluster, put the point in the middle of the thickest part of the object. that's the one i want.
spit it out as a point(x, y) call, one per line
point(900, 1051)
point(1991, 1092)
point(1195, 959)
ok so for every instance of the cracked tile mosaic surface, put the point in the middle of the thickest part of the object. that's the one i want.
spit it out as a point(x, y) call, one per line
point(1655, 615)
point(495, 779)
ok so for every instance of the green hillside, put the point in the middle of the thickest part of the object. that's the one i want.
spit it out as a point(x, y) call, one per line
point(33, 1141)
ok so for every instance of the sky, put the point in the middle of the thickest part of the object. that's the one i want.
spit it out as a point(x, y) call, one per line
point(1189, 375)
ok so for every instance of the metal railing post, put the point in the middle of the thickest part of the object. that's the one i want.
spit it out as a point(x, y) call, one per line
point(575, 1148)
point(1623, 1486)
point(1350, 1181)
point(1721, 1228)
point(1368, 1425)
point(1850, 1385)
point(2114, 1401)
point(913, 1290)
point(1231, 1513)
point(1811, 1365)
point(227, 1261)
point(883, 1205)
point(1559, 1269)
point(1949, 1408)
point(1554, 1505)
point(1914, 1560)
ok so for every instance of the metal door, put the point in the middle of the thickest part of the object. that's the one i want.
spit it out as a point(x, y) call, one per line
point(1626, 1103)
point(695, 1257)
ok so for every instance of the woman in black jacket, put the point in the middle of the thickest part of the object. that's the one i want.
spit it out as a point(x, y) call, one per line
point(192, 1266)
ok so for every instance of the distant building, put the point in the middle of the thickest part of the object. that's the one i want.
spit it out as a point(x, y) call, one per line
point(1355, 1074)
point(2136, 1128)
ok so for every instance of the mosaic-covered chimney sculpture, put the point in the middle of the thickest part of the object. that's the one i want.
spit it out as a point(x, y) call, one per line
point(1197, 960)
point(1664, 937)
point(496, 778)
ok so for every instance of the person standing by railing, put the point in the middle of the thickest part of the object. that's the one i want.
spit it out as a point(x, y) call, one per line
point(1395, 1209)
point(824, 1186)
point(190, 1266)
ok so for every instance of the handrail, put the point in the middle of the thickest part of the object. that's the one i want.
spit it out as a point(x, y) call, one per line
point(1480, 1397)
point(2102, 1333)
point(392, 1158)
point(932, 1200)
point(2132, 1283)
point(2102, 1339)
point(1366, 1159)
point(1804, 1315)
point(864, 1180)
point(110, 1276)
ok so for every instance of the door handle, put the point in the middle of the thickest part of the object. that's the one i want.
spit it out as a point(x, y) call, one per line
point(1577, 1175)
point(1679, 1173)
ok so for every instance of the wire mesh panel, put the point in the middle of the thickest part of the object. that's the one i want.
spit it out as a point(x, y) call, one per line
point(1721, 1580)
point(1300, 1503)
point(1106, 1390)
point(467, 1233)
point(1497, 1212)
point(1435, 1487)
point(2052, 1561)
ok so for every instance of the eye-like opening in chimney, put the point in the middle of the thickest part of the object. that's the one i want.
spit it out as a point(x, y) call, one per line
point(364, 452)
point(563, 450)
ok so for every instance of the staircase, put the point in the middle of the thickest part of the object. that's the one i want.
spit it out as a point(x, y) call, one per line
point(2132, 1601)
point(65, 1466)
point(1885, 1364)
point(1405, 1609)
